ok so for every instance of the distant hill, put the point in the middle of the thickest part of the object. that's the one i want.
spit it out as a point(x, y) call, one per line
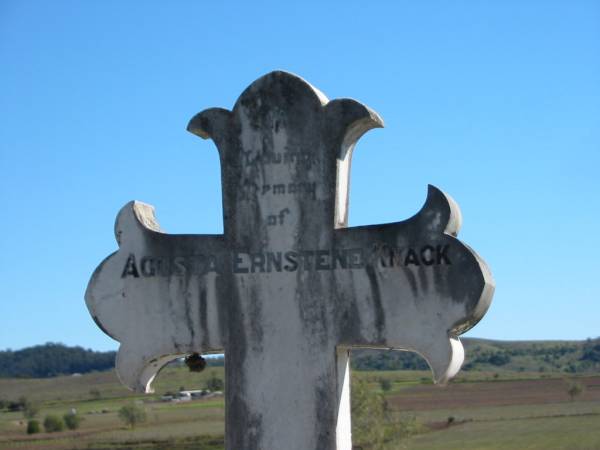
point(54, 359)
point(497, 356)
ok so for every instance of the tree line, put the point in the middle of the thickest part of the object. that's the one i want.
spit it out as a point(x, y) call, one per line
point(569, 357)
point(52, 359)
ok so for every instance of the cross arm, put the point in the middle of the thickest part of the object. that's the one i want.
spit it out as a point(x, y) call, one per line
point(168, 280)
point(418, 287)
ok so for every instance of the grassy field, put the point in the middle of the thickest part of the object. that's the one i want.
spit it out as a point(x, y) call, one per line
point(478, 411)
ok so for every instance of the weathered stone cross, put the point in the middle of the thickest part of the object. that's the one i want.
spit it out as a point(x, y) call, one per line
point(288, 288)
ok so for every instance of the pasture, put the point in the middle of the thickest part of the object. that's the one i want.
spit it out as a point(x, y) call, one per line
point(478, 411)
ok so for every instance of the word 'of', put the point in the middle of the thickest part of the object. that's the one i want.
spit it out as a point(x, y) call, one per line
point(277, 219)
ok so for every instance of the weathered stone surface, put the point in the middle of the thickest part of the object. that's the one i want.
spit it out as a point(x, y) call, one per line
point(288, 288)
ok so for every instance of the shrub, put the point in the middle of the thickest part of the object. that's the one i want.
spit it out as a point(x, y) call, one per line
point(214, 383)
point(591, 351)
point(18, 405)
point(53, 423)
point(575, 389)
point(400, 429)
point(368, 415)
point(132, 414)
point(373, 424)
point(385, 384)
point(499, 359)
point(30, 409)
point(33, 426)
point(14, 406)
point(72, 421)
point(95, 394)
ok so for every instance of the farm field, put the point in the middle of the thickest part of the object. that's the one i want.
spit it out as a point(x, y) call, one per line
point(478, 411)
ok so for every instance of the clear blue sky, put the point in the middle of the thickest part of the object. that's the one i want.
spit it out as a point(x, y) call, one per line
point(495, 102)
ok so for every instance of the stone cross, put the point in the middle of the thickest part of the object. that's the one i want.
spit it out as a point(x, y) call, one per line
point(288, 288)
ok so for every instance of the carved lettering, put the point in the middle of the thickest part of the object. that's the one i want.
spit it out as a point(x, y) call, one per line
point(286, 261)
point(356, 258)
point(274, 262)
point(257, 261)
point(339, 257)
point(148, 266)
point(179, 266)
point(253, 157)
point(322, 260)
point(248, 190)
point(279, 189)
point(130, 268)
point(411, 258)
point(237, 261)
point(441, 251)
point(302, 188)
point(306, 159)
point(277, 219)
point(212, 264)
point(426, 255)
point(292, 259)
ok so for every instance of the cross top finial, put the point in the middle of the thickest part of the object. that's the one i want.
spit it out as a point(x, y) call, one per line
point(287, 146)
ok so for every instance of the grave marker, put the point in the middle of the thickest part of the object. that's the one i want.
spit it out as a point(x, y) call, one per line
point(288, 288)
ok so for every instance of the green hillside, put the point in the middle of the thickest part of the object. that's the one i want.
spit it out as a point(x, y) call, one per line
point(52, 359)
point(498, 356)
point(582, 357)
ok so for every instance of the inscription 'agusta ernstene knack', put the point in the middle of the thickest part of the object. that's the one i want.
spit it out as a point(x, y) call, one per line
point(288, 288)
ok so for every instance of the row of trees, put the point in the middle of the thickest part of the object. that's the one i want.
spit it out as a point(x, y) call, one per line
point(131, 415)
point(54, 359)
point(387, 360)
point(51, 360)
point(591, 351)
point(53, 423)
point(570, 357)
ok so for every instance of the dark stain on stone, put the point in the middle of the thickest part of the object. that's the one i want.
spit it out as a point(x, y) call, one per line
point(243, 428)
point(377, 304)
point(410, 277)
point(254, 303)
point(423, 282)
point(224, 302)
point(188, 317)
point(439, 283)
point(325, 420)
point(97, 321)
point(203, 318)
point(175, 344)
point(347, 315)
